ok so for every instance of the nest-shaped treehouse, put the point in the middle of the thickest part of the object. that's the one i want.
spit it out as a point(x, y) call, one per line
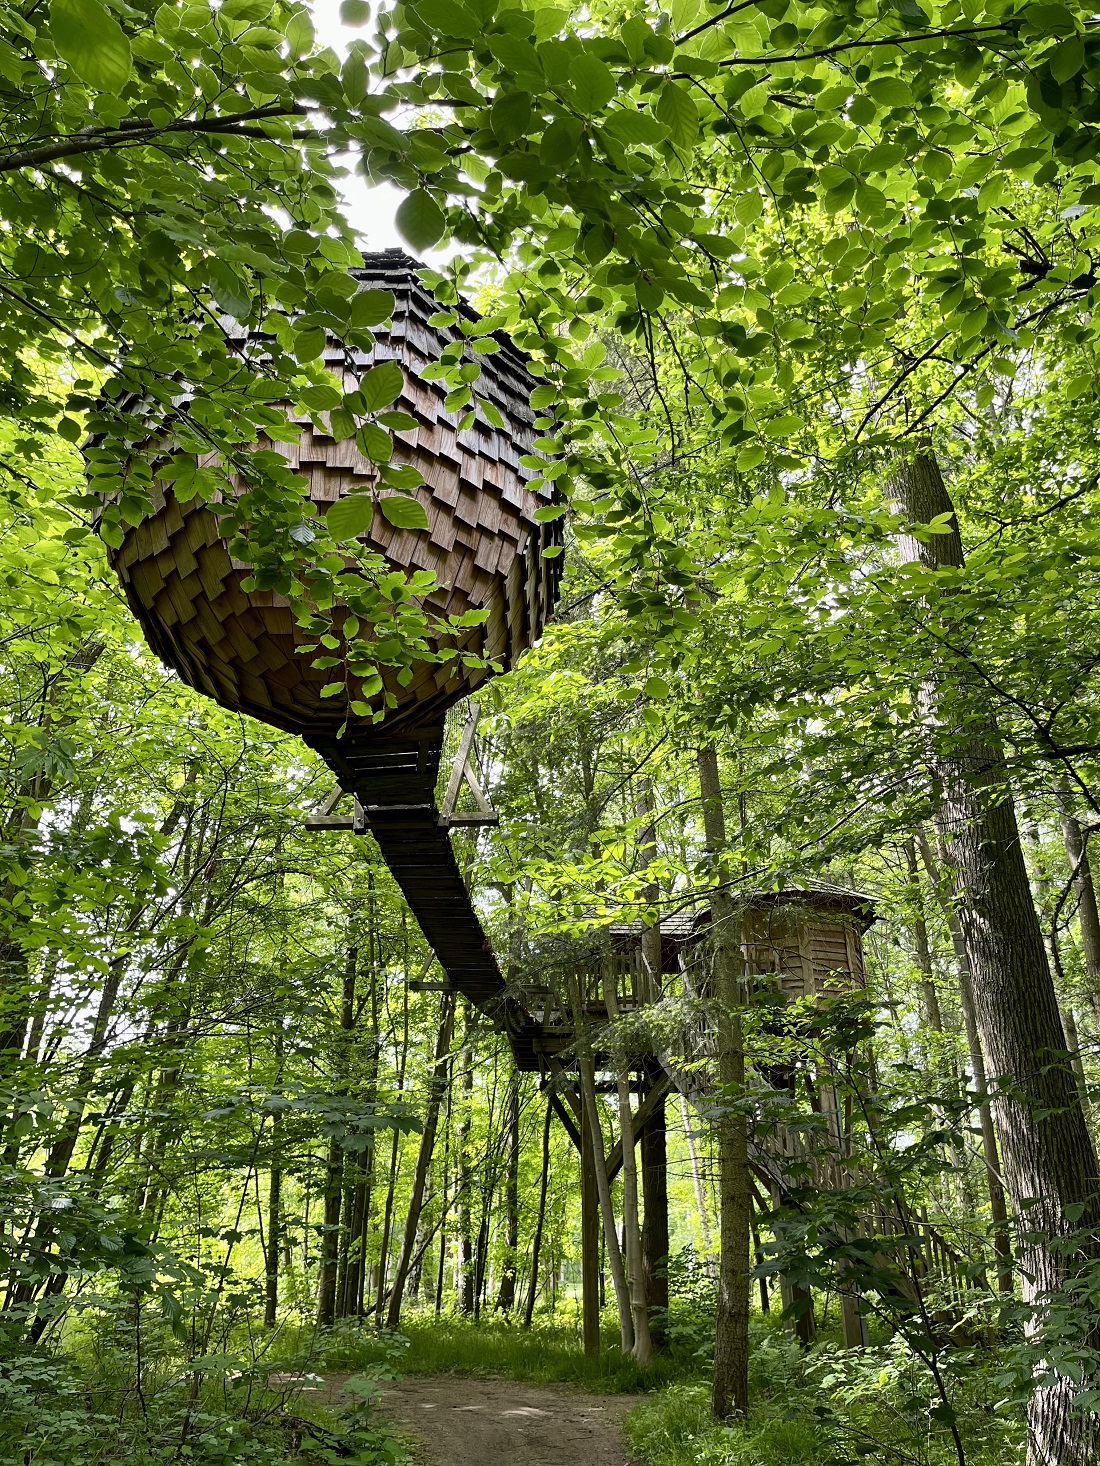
point(482, 542)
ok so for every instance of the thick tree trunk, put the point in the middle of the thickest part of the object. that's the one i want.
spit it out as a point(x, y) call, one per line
point(998, 1207)
point(330, 1237)
point(730, 1394)
point(592, 1283)
point(587, 1067)
point(1049, 1164)
point(655, 1223)
point(436, 1091)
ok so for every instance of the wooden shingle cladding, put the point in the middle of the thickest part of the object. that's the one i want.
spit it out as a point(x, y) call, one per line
point(482, 542)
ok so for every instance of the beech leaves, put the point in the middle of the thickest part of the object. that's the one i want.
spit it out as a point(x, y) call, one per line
point(88, 37)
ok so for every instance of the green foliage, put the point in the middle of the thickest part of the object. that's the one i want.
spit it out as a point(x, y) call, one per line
point(826, 1405)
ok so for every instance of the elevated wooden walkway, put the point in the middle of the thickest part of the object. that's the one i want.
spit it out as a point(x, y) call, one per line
point(394, 782)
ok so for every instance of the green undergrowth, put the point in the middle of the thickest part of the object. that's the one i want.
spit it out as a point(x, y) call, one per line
point(97, 1400)
point(828, 1406)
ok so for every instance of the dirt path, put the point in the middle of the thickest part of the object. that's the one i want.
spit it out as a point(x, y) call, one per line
point(458, 1421)
point(497, 1422)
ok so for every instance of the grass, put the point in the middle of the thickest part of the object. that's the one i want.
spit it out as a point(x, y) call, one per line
point(546, 1354)
point(549, 1353)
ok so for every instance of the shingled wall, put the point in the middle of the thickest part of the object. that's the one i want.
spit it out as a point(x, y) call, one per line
point(482, 542)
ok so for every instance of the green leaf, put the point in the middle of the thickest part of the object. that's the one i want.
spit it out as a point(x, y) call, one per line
point(783, 427)
point(403, 476)
point(93, 43)
point(421, 220)
point(890, 91)
point(229, 290)
point(350, 516)
point(375, 443)
point(561, 141)
point(510, 116)
point(308, 343)
point(354, 12)
point(635, 128)
point(381, 385)
point(355, 75)
point(676, 109)
point(299, 33)
point(1066, 59)
point(404, 513)
point(371, 307)
point(447, 18)
point(592, 81)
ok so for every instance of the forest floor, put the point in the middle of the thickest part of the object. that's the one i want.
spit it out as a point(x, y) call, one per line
point(454, 1420)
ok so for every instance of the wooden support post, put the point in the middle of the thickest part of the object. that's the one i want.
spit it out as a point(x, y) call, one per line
point(590, 1242)
point(655, 1221)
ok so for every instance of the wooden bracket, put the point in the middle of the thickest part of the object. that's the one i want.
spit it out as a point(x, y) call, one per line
point(463, 769)
point(421, 984)
point(326, 817)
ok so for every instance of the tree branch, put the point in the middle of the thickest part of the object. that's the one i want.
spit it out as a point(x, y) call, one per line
point(142, 131)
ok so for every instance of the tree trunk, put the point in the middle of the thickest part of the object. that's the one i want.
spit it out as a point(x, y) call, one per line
point(632, 1230)
point(655, 1223)
point(274, 1225)
point(540, 1220)
point(730, 1394)
point(506, 1298)
point(998, 1208)
point(330, 1237)
point(929, 997)
point(587, 1066)
point(1049, 1163)
point(1081, 872)
point(465, 1278)
point(437, 1089)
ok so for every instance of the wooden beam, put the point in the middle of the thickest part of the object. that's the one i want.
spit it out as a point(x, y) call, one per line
point(660, 1088)
point(454, 783)
point(485, 814)
point(565, 1117)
